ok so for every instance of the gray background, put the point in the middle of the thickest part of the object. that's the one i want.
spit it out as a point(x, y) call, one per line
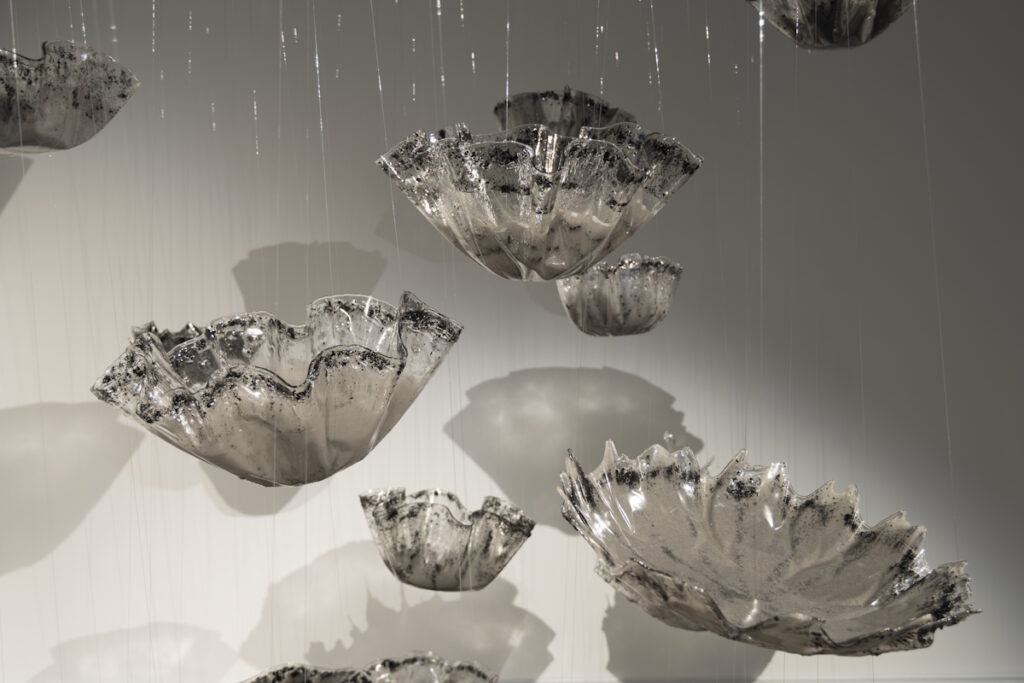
point(123, 559)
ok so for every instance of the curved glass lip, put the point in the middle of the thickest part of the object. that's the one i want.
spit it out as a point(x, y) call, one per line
point(460, 133)
point(627, 264)
point(387, 664)
point(298, 332)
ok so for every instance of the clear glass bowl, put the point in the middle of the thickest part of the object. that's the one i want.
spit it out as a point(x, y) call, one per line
point(424, 668)
point(832, 23)
point(745, 557)
point(429, 540)
point(533, 204)
point(60, 100)
point(280, 404)
point(631, 297)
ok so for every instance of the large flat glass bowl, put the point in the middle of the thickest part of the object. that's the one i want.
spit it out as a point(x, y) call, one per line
point(740, 554)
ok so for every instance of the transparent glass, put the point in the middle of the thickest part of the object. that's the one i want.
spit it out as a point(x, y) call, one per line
point(532, 203)
point(429, 540)
point(424, 668)
point(745, 557)
point(631, 297)
point(280, 404)
point(832, 23)
point(60, 100)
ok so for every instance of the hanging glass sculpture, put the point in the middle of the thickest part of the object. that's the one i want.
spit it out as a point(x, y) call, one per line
point(631, 297)
point(422, 668)
point(533, 204)
point(832, 23)
point(745, 557)
point(60, 100)
point(429, 540)
point(563, 113)
point(280, 404)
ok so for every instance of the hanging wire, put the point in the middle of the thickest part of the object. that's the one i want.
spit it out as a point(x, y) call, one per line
point(384, 126)
point(328, 228)
point(935, 281)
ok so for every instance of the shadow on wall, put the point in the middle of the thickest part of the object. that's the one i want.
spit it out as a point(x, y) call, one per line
point(146, 654)
point(641, 648)
point(12, 171)
point(172, 469)
point(482, 626)
point(49, 452)
point(518, 427)
point(414, 234)
point(245, 497)
point(284, 278)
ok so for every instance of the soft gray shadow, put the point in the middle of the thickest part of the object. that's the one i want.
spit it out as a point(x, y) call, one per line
point(415, 235)
point(518, 427)
point(284, 278)
point(13, 170)
point(153, 653)
point(641, 648)
point(245, 497)
point(56, 460)
point(545, 295)
point(482, 626)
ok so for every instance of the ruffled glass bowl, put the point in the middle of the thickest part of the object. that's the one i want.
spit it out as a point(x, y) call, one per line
point(532, 203)
point(429, 540)
point(631, 297)
point(563, 113)
point(415, 669)
point(832, 23)
point(745, 557)
point(280, 404)
point(60, 100)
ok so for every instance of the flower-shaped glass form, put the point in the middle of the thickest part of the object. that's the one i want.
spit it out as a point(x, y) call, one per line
point(423, 668)
point(60, 100)
point(832, 23)
point(281, 404)
point(615, 300)
point(745, 557)
point(429, 540)
point(564, 113)
point(533, 204)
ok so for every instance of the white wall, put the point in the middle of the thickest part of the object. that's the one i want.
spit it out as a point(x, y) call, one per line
point(122, 559)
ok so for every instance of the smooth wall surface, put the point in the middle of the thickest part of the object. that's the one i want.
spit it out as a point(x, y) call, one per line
point(241, 177)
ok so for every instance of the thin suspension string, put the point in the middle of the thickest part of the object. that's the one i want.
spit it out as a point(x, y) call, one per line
point(384, 126)
point(657, 65)
point(328, 228)
point(440, 52)
point(935, 280)
point(720, 260)
point(508, 36)
point(761, 235)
